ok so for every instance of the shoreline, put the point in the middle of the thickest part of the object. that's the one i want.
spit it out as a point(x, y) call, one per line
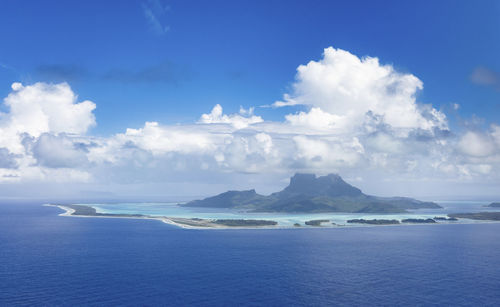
point(174, 221)
point(204, 224)
point(69, 212)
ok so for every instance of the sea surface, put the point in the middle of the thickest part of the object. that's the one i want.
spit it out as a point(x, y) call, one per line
point(49, 260)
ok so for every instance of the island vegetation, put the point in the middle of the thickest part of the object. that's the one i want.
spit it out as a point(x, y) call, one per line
point(373, 222)
point(316, 222)
point(84, 210)
point(91, 211)
point(418, 221)
point(245, 223)
point(484, 216)
point(444, 218)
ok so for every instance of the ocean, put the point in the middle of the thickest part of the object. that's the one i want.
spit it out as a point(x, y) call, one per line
point(50, 260)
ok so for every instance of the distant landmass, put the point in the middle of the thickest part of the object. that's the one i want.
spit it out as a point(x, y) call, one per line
point(481, 216)
point(308, 193)
point(373, 222)
point(494, 205)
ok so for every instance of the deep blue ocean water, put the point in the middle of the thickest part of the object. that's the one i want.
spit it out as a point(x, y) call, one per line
point(46, 259)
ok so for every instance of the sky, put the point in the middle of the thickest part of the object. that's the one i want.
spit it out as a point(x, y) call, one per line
point(172, 100)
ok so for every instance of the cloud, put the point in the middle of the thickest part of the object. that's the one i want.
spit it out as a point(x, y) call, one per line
point(10, 69)
point(315, 152)
point(59, 151)
point(40, 108)
point(476, 144)
point(485, 76)
point(317, 118)
point(350, 127)
point(35, 115)
point(237, 121)
point(155, 12)
point(61, 72)
point(349, 87)
point(161, 72)
point(495, 134)
point(43, 107)
point(159, 140)
point(164, 72)
point(7, 159)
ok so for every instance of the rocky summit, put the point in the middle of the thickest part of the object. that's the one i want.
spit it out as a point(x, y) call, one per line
point(309, 193)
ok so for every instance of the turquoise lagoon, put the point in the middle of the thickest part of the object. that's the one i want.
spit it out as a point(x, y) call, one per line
point(287, 219)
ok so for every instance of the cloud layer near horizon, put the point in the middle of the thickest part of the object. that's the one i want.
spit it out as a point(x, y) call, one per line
point(362, 118)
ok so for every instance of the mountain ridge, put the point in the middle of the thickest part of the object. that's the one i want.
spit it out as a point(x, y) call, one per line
point(309, 193)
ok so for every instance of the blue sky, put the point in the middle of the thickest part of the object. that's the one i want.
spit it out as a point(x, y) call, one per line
point(240, 52)
point(172, 61)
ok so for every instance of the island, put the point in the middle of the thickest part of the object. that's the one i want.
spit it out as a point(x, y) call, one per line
point(316, 222)
point(83, 210)
point(373, 222)
point(494, 205)
point(215, 223)
point(482, 216)
point(242, 222)
point(418, 221)
point(194, 223)
point(444, 218)
point(307, 193)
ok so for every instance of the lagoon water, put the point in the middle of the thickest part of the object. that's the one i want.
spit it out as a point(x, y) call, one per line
point(284, 219)
point(46, 259)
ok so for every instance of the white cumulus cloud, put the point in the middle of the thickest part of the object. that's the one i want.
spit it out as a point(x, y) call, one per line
point(43, 107)
point(476, 144)
point(348, 87)
point(34, 128)
point(236, 120)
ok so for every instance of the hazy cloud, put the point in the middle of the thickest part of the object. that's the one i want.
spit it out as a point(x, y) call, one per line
point(58, 151)
point(7, 159)
point(485, 76)
point(155, 12)
point(165, 72)
point(61, 72)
